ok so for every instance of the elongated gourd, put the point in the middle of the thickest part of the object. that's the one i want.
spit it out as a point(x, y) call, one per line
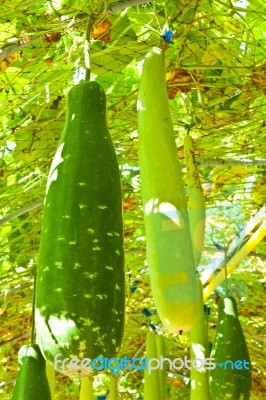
point(199, 349)
point(31, 382)
point(86, 389)
point(231, 379)
point(196, 201)
point(160, 348)
point(80, 296)
point(151, 378)
point(50, 372)
point(113, 395)
point(168, 242)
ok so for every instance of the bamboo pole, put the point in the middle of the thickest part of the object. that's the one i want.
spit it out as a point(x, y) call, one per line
point(235, 260)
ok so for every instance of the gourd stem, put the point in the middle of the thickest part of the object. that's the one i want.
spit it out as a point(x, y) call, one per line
point(33, 311)
point(87, 48)
point(226, 279)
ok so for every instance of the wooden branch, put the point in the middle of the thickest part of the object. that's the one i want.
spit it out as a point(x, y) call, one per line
point(9, 49)
point(14, 290)
point(14, 340)
point(39, 203)
point(122, 5)
point(22, 211)
point(231, 163)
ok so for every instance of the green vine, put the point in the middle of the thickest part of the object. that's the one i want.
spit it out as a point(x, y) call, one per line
point(87, 48)
point(96, 8)
point(33, 311)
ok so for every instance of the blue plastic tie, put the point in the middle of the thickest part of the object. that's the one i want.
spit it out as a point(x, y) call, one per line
point(153, 327)
point(146, 312)
point(167, 36)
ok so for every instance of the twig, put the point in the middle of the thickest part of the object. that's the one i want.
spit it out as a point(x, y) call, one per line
point(6, 51)
point(14, 290)
point(23, 211)
point(121, 5)
point(232, 162)
point(39, 203)
point(16, 339)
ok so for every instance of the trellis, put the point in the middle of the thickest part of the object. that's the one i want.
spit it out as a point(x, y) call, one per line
point(216, 85)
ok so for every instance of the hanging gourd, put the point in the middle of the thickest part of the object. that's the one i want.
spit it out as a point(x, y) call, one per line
point(196, 201)
point(86, 389)
point(168, 242)
point(80, 295)
point(160, 348)
point(231, 379)
point(151, 378)
point(31, 382)
point(199, 352)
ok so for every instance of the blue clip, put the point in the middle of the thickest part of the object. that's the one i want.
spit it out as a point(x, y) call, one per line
point(167, 36)
point(207, 310)
point(153, 327)
point(132, 289)
point(146, 312)
point(218, 246)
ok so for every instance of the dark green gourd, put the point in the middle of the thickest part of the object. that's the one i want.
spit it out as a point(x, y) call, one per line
point(31, 382)
point(80, 294)
point(230, 381)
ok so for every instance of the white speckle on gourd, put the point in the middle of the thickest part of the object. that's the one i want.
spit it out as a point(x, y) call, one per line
point(117, 287)
point(118, 252)
point(66, 216)
point(82, 345)
point(87, 296)
point(102, 207)
point(91, 231)
point(58, 290)
point(96, 248)
point(85, 321)
point(76, 265)
point(110, 234)
point(81, 206)
point(90, 275)
point(82, 183)
point(101, 296)
point(72, 243)
point(46, 269)
point(59, 264)
point(108, 267)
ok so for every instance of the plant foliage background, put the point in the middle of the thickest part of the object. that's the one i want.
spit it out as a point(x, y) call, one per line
point(216, 75)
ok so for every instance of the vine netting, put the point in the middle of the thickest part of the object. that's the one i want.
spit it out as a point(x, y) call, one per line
point(216, 82)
